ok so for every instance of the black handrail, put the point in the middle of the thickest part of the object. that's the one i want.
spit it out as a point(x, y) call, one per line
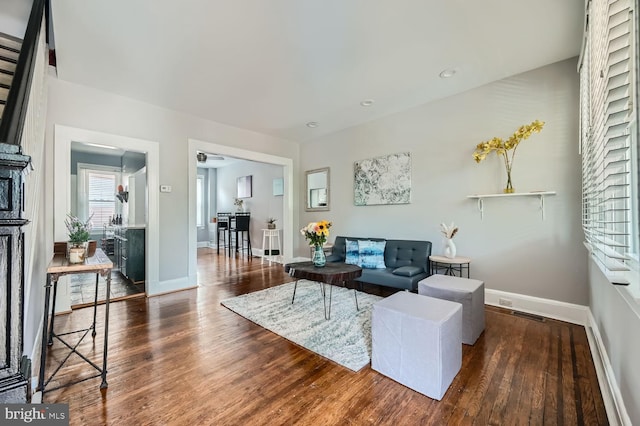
point(15, 109)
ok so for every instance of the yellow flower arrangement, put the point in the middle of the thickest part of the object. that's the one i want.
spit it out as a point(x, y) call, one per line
point(503, 147)
point(316, 232)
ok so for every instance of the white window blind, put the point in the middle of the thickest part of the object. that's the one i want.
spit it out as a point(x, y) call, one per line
point(101, 197)
point(606, 106)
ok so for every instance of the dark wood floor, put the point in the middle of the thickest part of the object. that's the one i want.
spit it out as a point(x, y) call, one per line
point(183, 359)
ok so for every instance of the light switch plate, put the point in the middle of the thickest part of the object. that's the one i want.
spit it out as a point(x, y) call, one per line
point(165, 188)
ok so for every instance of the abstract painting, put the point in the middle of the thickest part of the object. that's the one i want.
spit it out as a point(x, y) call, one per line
point(383, 180)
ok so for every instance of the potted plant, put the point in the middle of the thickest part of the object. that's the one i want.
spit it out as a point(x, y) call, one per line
point(271, 223)
point(78, 238)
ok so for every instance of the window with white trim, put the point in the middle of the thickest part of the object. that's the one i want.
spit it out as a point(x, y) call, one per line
point(200, 201)
point(608, 92)
point(97, 193)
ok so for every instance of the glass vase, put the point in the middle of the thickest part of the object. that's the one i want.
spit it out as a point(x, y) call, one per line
point(319, 259)
point(509, 188)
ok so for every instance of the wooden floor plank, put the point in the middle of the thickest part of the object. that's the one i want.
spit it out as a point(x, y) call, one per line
point(184, 359)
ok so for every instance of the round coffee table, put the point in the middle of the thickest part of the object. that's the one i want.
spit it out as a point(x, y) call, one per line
point(331, 273)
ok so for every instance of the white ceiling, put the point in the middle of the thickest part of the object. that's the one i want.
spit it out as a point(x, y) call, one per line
point(272, 66)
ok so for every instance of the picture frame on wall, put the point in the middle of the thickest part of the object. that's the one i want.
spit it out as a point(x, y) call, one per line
point(244, 187)
point(278, 186)
point(383, 180)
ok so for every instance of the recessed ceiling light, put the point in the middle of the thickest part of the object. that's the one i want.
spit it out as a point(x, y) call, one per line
point(449, 72)
point(312, 124)
point(367, 102)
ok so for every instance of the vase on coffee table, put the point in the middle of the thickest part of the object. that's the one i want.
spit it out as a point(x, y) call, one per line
point(319, 259)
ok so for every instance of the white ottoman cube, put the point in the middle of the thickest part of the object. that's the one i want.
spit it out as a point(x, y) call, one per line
point(416, 341)
point(467, 291)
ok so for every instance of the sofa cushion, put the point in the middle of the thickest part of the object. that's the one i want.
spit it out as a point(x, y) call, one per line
point(372, 254)
point(407, 271)
point(352, 253)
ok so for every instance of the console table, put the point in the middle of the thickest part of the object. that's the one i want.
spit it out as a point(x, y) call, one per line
point(331, 273)
point(99, 264)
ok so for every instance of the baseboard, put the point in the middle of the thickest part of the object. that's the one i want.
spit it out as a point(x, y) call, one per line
point(202, 244)
point(568, 312)
point(171, 286)
point(613, 401)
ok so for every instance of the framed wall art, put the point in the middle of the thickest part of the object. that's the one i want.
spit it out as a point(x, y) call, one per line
point(383, 180)
point(244, 187)
point(278, 186)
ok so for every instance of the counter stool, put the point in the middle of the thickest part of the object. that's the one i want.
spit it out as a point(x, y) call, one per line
point(239, 229)
point(222, 227)
point(468, 292)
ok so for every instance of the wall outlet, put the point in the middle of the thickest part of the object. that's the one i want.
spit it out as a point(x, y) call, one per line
point(165, 188)
point(505, 302)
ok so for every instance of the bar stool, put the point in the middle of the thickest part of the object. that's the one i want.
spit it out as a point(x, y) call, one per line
point(241, 227)
point(223, 225)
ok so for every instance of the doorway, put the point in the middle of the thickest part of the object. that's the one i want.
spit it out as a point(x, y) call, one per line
point(108, 188)
point(196, 146)
point(64, 136)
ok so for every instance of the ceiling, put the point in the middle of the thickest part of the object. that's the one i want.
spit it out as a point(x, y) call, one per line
point(273, 66)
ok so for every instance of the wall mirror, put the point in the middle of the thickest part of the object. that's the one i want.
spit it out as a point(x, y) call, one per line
point(317, 190)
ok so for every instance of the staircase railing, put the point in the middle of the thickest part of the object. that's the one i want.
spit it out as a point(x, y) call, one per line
point(15, 110)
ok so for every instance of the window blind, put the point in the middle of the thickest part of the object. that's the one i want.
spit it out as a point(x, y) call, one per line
point(606, 93)
point(101, 197)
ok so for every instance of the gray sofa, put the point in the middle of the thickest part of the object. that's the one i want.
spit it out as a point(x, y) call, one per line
point(406, 261)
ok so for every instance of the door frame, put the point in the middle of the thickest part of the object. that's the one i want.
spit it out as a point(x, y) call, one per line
point(63, 136)
point(196, 145)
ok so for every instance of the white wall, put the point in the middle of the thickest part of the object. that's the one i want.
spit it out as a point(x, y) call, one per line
point(618, 323)
point(512, 249)
point(81, 107)
point(262, 205)
point(14, 15)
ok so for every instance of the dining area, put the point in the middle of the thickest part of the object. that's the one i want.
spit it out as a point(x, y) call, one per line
point(233, 233)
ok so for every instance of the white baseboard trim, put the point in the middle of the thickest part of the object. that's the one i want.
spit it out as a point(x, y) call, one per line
point(613, 401)
point(170, 286)
point(562, 311)
point(203, 244)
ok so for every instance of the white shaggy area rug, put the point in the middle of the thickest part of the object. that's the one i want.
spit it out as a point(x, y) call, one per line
point(345, 338)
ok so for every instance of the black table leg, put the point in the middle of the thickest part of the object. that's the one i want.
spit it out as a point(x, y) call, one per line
point(295, 286)
point(53, 311)
point(104, 384)
point(43, 349)
point(95, 308)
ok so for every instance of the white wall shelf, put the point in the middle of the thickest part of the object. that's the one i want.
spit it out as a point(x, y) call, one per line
point(539, 194)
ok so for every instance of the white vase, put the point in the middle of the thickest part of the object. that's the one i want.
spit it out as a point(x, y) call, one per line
point(449, 248)
point(77, 252)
